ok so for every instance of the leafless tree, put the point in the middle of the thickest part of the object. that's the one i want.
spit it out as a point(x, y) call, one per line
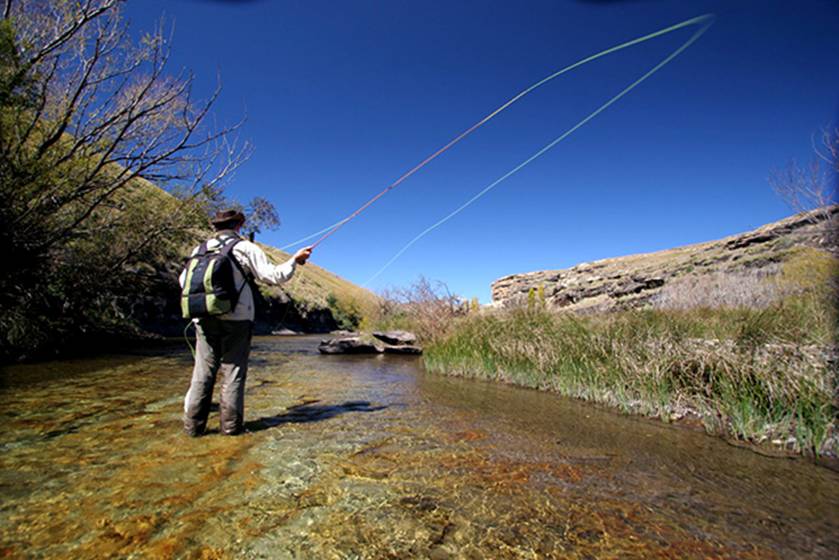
point(89, 116)
point(103, 112)
point(429, 307)
point(812, 188)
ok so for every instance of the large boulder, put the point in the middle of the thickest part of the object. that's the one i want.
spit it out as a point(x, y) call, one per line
point(396, 338)
point(351, 344)
point(391, 342)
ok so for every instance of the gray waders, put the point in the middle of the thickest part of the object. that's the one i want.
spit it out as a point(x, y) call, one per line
point(220, 346)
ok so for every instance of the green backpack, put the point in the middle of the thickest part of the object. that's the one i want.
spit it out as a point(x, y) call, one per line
point(210, 288)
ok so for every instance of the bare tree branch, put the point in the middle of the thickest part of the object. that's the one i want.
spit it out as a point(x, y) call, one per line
point(812, 188)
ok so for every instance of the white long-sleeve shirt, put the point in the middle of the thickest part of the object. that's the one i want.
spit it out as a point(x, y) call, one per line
point(253, 260)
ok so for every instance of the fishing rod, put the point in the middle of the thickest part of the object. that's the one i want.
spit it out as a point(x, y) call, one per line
point(706, 20)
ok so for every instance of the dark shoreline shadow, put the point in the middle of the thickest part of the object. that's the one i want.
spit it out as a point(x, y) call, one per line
point(305, 413)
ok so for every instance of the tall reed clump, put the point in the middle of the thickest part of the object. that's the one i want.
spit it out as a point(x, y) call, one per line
point(752, 374)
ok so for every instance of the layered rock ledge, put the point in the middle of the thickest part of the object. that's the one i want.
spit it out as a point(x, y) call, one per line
point(635, 280)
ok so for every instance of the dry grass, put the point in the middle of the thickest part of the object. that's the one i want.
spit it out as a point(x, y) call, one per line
point(733, 372)
point(754, 289)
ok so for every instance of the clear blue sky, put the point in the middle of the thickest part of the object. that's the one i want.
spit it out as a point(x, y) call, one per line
point(343, 97)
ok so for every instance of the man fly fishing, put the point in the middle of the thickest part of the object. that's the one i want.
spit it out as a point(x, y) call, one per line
point(218, 295)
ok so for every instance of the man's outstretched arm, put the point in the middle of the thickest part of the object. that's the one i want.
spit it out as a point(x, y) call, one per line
point(263, 270)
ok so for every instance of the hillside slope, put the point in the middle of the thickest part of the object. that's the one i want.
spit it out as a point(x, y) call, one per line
point(637, 280)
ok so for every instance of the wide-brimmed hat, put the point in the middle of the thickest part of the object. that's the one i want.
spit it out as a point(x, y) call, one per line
point(228, 217)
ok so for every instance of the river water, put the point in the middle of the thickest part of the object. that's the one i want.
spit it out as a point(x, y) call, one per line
point(370, 457)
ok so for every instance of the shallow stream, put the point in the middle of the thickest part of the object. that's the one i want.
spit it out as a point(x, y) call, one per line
point(370, 457)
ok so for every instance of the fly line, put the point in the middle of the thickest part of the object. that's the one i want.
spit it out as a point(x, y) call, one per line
point(703, 22)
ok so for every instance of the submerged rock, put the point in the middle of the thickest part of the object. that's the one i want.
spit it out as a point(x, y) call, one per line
point(349, 345)
point(403, 349)
point(285, 332)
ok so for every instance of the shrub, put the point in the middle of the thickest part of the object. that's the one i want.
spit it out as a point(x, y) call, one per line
point(426, 308)
point(346, 311)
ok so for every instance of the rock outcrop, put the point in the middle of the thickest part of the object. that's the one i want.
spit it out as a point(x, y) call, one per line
point(635, 280)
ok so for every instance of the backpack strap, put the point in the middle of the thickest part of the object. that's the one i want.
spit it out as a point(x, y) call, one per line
point(227, 246)
point(202, 250)
point(226, 250)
